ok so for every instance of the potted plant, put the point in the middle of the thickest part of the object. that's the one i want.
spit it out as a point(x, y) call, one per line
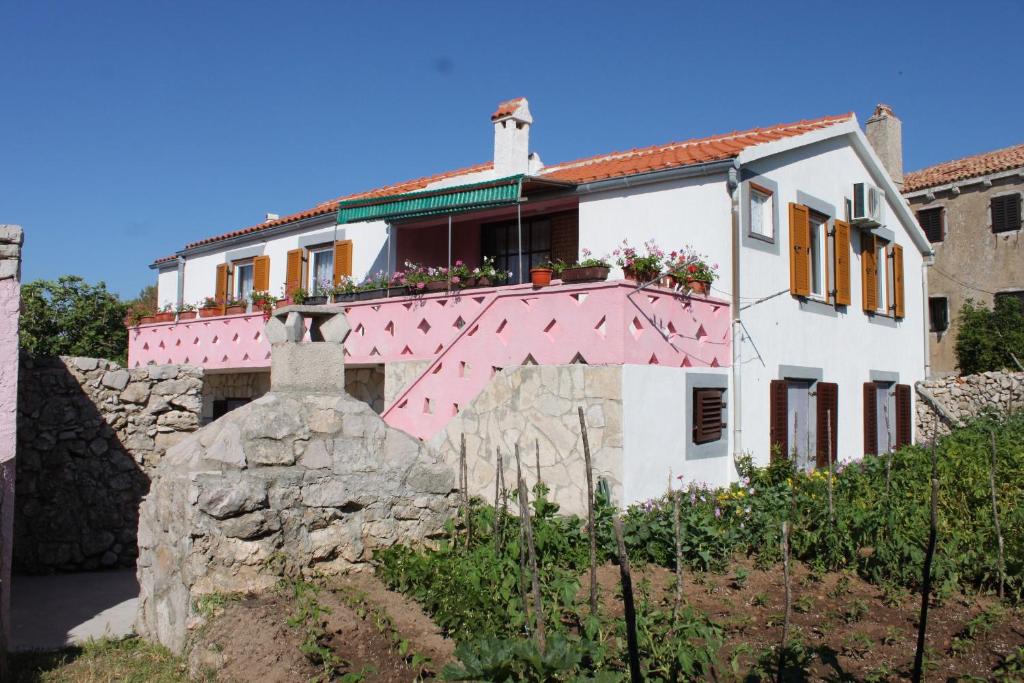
point(262, 301)
point(234, 306)
point(540, 275)
point(375, 286)
point(318, 297)
point(165, 314)
point(460, 276)
point(640, 267)
point(487, 275)
point(691, 270)
point(589, 269)
point(209, 308)
point(419, 279)
point(299, 296)
point(136, 314)
point(343, 290)
point(186, 312)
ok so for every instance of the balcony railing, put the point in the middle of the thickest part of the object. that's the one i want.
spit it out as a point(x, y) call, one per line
point(469, 335)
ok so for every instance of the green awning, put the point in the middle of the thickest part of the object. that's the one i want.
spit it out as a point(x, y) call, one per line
point(448, 200)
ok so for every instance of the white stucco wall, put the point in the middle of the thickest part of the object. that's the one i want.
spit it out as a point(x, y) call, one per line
point(167, 285)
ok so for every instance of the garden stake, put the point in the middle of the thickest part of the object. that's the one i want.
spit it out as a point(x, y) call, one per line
point(524, 510)
point(888, 448)
point(627, 599)
point(540, 482)
point(995, 517)
point(788, 597)
point(679, 547)
point(497, 500)
point(828, 449)
point(522, 546)
point(591, 531)
point(464, 473)
point(927, 579)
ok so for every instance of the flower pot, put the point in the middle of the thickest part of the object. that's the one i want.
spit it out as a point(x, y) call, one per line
point(437, 286)
point(540, 277)
point(187, 315)
point(698, 286)
point(366, 294)
point(315, 301)
point(585, 274)
point(209, 312)
point(164, 317)
point(281, 303)
point(641, 276)
point(234, 310)
point(147, 319)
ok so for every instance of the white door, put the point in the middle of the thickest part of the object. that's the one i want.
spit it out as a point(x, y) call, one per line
point(801, 431)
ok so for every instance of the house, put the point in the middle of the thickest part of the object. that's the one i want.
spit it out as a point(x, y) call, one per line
point(970, 209)
point(807, 344)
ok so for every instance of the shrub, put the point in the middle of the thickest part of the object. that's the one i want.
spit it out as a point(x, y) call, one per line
point(989, 339)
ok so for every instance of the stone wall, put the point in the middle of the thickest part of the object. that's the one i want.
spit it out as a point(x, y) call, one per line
point(295, 482)
point(397, 376)
point(232, 385)
point(961, 398)
point(89, 431)
point(10, 305)
point(533, 404)
point(366, 385)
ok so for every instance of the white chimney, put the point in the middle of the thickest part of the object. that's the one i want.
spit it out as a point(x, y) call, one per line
point(271, 217)
point(885, 133)
point(512, 122)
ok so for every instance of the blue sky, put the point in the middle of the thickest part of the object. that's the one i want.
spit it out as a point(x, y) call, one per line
point(130, 128)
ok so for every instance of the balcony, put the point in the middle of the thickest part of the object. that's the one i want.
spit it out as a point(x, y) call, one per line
point(467, 336)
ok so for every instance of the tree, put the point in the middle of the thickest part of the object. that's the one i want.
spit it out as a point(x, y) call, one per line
point(146, 300)
point(70, 317)
point(990, 339)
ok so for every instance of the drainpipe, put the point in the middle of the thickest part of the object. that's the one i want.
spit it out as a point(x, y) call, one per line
point(181, 281)
point(732, 183)
point(929, 261)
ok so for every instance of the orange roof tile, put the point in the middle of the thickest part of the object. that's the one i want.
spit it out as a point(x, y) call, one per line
point(602, 166)
point(962, 169)
point(674, 154)
point(506, 108)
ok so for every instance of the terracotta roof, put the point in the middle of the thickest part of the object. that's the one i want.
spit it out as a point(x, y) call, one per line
point(962, 169)
point(602, 166)
point(332, 205)
point(165, 259)
point(673, 154)
point(507, 108)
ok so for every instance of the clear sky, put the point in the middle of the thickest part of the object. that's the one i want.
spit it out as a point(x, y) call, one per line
point(130, 128)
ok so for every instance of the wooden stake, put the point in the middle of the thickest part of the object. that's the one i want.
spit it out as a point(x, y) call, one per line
point(524, 511)
point(591, 531)
point(828, 450)
point(539, 480)
point(677, 529)
point(627, 599)
point(788, 595)
point(995, 517)
point(464, 475)
point(497, 500)
point(927, 577)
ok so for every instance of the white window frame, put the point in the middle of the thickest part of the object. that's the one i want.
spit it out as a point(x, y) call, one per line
point(311, 253)
point(820, 268)
point(883, 277)
point(236, 293)
point(766, 213)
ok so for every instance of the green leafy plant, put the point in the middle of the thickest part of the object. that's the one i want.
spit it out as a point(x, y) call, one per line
point(988, 339)
point(70, 317)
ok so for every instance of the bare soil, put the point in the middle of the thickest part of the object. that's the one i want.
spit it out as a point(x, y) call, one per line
point(846, 646)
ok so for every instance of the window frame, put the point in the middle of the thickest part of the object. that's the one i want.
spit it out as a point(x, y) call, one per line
point(931, 319)
point(1015, 293)
point(820, 225)
point(508, 260)
point(235, 293)
point(1020, 212)
point(885, 302)
point(310, 265)
point(941, 211)
point(758, 189)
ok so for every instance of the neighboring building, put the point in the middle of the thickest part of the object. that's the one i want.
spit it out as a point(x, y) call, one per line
point(970, 209)
point(813, 334)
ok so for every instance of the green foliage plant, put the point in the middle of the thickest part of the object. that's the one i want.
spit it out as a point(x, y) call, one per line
point(70, 317)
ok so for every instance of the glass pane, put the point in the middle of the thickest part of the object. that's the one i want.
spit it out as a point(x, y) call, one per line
point(816, 259)
point(243, 281)
point(322, 272)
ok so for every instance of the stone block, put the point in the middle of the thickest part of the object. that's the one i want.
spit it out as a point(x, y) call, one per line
point(115, 379)
point(335, 330)
point(312, 367)
point(224, 497)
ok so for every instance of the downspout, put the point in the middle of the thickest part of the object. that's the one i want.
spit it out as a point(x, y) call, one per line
point(181, 282)
point(732, 183)
point(929, 261)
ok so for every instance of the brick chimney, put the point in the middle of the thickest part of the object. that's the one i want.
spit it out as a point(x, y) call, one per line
point(885, 133)
point(512, 122)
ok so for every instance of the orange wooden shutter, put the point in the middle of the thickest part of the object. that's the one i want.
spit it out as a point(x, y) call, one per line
point(261, 273)
point(841, 245)
point(903, 415)
point(828, 410)
point(293, 271)
point(897, 281)
point(869, 274)
point(778, 411)
point(799, 250)
point(870, 418)
point(342, 260)
point(221, 289)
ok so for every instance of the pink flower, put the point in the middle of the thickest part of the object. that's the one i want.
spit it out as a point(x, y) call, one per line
point(455, 280)
point(458, 263)
point(420, 285)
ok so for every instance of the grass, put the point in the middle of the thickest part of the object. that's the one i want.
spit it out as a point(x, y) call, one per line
point(129, 660)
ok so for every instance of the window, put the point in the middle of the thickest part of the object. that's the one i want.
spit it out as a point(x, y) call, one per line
point(1005, 213)
point(887, 416)
point(243, 276)
point(708, 415)
point(931, 221)
point(321, 270)
point(762, 212)
point(938, 313)
point(501, 242)
point(1018, 295)
point(882, 284)
point(817, 254)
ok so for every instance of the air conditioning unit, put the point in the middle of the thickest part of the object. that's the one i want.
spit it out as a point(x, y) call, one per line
point(868, 208)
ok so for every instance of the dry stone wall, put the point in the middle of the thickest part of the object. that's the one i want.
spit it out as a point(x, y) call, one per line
point(960, 398)
point(89, 431)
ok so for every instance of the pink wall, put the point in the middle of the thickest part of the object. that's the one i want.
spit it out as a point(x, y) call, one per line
point(10, 303)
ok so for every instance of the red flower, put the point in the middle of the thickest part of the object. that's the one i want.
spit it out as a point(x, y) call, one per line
point(692, 268)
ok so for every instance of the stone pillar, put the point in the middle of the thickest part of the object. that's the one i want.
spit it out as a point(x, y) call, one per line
point(10, 306)
point(315, 366)
point(884, 131)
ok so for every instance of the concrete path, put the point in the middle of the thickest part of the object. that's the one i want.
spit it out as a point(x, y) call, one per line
point(50, 612)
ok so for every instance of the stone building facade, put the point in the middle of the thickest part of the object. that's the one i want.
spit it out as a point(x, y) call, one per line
point(971, 210)
point(947, 402)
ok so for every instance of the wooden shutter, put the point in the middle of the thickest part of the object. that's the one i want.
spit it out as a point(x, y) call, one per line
point(261, 274)
point(799, 250)
point(221, 288)
point(903, 415)
point(1005, 213)
point(827, 422)
point(778, 410)
point(897, 281)
point(870, 418)
point(708, 415)
point(868, 274)
point(565, 237)
point(931, 222)
point(342, 260)
point(293, 271)
point(841, 248)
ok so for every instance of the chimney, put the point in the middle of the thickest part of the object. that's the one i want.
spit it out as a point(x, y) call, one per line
point(512, 122)
point(885, 133)
point(271, 217)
